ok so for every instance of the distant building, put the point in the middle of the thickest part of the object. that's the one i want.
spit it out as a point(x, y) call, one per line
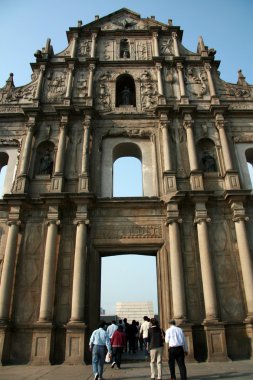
point(134, 310)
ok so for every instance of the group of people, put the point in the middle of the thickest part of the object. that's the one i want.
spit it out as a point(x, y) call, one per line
point(111, 341)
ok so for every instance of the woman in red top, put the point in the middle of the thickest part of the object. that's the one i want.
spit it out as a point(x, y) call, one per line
point(118, 342)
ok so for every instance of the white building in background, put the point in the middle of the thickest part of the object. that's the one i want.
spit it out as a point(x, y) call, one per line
point(134, 310)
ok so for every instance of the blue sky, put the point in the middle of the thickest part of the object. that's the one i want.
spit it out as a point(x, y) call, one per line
point(226, 26)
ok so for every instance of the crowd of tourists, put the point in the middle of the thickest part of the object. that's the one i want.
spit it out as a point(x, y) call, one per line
point(108, 343)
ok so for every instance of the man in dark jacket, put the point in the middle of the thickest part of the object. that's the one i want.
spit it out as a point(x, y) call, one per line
point(156, 339)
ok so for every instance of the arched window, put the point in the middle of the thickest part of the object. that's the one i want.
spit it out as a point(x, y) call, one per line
point(127, 171)
point(207, 155)
point(45, 159)
point(125, 91)
point(4, 158)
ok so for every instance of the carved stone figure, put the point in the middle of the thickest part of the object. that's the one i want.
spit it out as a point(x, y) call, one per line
point(46, 163)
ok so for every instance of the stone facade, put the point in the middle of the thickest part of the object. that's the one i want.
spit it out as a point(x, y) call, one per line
point(125, 86)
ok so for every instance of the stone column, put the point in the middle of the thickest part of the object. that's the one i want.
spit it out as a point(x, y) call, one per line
point(40, 81)
point(93, 45)
point(59, 162)
point(155, 44)
point(188, 123)
point(177, 272)
point(208, 68)
point(181, 79)
point(220, 124)
point(206, 269)
point(74, 44)
point(7, 282)
point(164, 124)
point(175, 44)
point(159, 78)
point(57, 179)
point(27, 147)
point(42, 343)
point(8, 270)
point(70, 80)
point(83, 179)
point(48, 280)
point(239, 219)
point(76, 334)
point(77, 307)
point(215, 331)
point(90, 82)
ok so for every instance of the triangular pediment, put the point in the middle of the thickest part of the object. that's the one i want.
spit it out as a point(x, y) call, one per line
point(123, 19)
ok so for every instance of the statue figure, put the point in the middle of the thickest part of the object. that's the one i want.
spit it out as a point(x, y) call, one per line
point(208, 162)
point(125, 96)
point(46, 163)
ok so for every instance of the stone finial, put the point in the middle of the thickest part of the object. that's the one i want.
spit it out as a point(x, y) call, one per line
point(96, 17)
point(10, 82)
point(170, 22)
point(241, 79)
point(79, 23)
point(201, 48)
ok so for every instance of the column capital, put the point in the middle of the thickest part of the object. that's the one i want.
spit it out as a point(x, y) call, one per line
point(180, 66)
point(52, 222)
point(71, 67)
point(92, 67)
point(174, 35)
point(164, 124)
point(155, 34)
point(240, 218)
point(187, 121)
point(171, 220)
point(219, 121)
point(64, 122)
point(199, 220)
point(207, 66)
point(30, 123)
point(158, 66)
point(77, 222)
point(94, 35)
point(87, 121)
point(14, 223)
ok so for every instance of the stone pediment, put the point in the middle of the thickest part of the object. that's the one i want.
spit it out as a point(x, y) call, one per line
point(124, 19)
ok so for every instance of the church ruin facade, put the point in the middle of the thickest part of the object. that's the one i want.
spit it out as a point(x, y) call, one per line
point(125, 86)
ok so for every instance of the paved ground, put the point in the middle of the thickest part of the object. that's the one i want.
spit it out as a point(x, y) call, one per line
point(234, 370)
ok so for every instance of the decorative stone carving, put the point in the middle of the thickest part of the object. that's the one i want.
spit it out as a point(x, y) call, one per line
point(237, 91)
point(196, 79)
point(245, 137)
point(84, 48)
point(149, 93)
point(56, 86)
point(167, 47)
point(81, 87)
point(103, 98)
point(24, 94)
point(129, 231)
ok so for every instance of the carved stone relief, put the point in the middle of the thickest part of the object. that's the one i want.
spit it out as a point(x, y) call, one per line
point(81, 85)
point(166, 46)
point(103, 93)
point(24, 94)
point(55, 86)
point(149, 93)
point(129, 231)
point(196, 81)
point(84, 48)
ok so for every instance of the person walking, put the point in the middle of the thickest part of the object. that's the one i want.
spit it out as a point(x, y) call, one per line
point(118, 342)
point(144, 333)
point(111, 328)
point(174, 336)
point(99, 341)
point(155, 339)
